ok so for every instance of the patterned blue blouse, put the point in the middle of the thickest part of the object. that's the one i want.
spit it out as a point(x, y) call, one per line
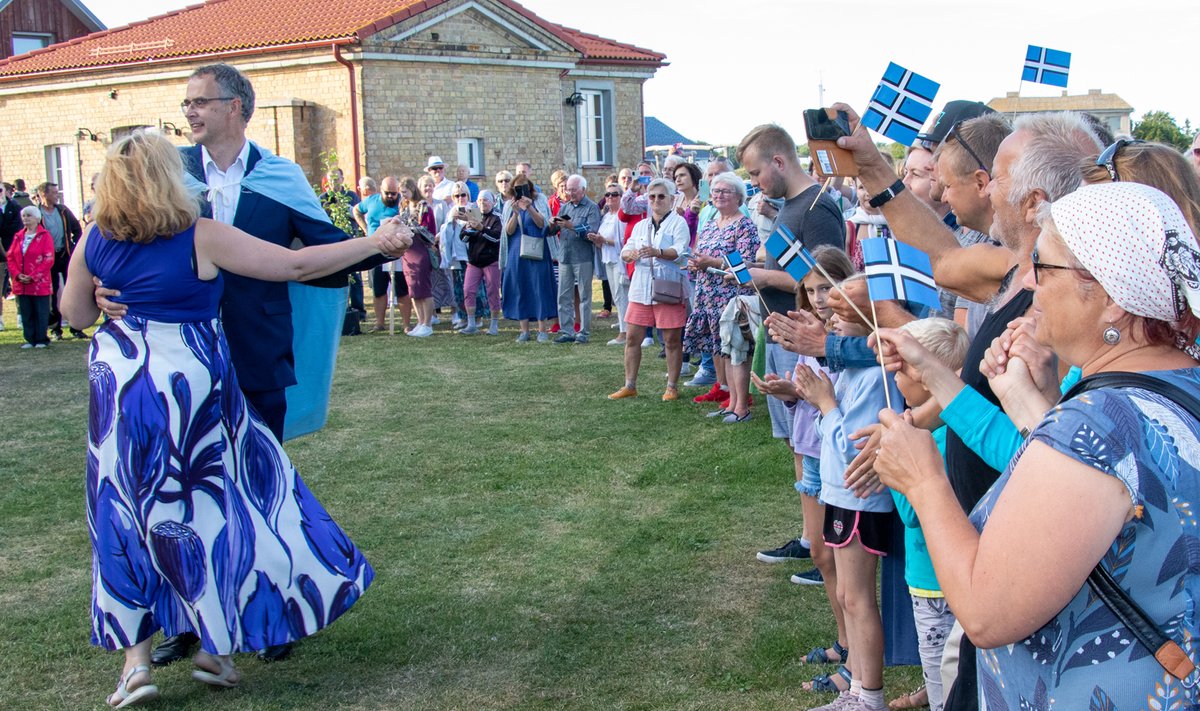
point(1084, 658)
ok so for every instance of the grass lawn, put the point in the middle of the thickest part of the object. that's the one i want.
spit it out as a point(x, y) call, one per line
point(537, 546)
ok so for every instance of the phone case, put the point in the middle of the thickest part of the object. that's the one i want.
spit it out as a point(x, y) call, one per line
point(832, 161)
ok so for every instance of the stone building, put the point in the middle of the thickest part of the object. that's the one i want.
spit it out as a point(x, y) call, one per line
point(1111, 109)
point(384, 83)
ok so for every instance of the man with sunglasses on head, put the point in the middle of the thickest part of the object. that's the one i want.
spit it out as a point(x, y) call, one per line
point(241, 184)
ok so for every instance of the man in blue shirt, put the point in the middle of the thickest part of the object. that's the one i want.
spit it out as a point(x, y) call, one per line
point(369, 214)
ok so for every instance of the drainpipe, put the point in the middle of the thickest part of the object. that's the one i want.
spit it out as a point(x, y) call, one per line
point(337, 56)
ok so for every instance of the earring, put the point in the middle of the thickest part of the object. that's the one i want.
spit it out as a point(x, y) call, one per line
point(1112, 336)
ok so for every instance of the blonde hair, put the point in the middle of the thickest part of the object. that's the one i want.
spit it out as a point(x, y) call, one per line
point(140, 194)
point(425, 180)
point(945, 339)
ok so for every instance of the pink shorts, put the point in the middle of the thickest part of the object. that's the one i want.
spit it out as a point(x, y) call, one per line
point(666, 316)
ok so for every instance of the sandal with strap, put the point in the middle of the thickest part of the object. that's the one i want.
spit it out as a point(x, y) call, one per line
point(124, 698)
point(226, 678)
point(917, 699)
point(828, 682)
point(820, 655)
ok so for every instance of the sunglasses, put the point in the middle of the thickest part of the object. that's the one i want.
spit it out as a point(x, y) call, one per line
point(1039, 266)
point(612, 194)
point(458, 195)
point(504, 180)
point(1108, 158)
point(957, 135)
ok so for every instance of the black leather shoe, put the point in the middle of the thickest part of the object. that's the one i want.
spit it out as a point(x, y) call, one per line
point(275, 653)
point(75, 332)
point(173, 649)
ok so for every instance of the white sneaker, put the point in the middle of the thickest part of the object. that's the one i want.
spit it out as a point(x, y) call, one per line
point(421, 331)
point(26, 345)
point(647, 342)
point(617, 342)
point(685, 369)
point(40, 345)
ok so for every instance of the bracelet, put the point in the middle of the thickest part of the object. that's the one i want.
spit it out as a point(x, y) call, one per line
point(882, 198)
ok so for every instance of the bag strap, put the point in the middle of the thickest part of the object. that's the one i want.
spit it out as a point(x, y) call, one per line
point(1166, 650)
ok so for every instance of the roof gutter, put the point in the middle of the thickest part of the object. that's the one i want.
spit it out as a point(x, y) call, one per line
point(337, 57)
point(250, 51)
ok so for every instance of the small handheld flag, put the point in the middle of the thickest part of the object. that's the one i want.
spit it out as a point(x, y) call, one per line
point(900, 104)
point(1046, 66)
point(737, 267)
point(789, 252)
point(898, 271)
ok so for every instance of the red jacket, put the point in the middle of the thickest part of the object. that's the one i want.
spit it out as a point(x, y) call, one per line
point(35, 262)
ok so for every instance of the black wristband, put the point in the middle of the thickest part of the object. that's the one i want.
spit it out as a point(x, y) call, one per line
point(893, 190)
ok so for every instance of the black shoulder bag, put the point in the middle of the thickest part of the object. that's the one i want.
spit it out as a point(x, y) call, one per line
point(1168, 652)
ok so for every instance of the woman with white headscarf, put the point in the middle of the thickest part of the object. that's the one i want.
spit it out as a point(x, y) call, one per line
point(1108, 480)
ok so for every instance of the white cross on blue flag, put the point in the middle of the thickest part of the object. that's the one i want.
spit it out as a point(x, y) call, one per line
point(900, 104)
point(898, 271)
point(1046, 66)
point(737, 266)
point(789, 253)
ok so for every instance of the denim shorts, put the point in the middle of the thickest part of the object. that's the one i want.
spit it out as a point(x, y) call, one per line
point(810, 481)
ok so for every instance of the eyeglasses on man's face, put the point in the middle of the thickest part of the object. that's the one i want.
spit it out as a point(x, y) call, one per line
point(201, 101)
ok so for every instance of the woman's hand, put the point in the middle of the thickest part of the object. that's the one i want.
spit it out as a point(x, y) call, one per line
point(696, 205)
point(1018, 341)
point(775, 386)
point(908, 456)
point(815, 388)
point(24, 278)
point(648, 252)
point(900, 352)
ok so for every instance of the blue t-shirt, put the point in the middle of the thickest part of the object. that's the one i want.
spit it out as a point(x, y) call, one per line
point(375, 211)
point(1152, 446)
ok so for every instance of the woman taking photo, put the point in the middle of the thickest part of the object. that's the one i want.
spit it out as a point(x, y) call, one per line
point(1115, 293)
point(528, 292)
point(658, 249)
point(729, 231)
point(198, 521)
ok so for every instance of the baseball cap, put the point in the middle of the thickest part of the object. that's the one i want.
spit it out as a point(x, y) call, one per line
point(954, 112)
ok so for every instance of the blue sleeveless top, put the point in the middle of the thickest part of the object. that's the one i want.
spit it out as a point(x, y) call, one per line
point(157, 280)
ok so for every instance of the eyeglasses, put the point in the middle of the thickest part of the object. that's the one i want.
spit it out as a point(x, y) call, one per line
point(504, 180)
point(1038, 266)
point(612, 195)
point(458, 195)
point(201, 101)
point(722, 192)
point(1108, 158)
point(657, 196)
point(957, 135)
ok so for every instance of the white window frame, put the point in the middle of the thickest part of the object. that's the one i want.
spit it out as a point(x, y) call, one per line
point(63, 170)
point(46, 40)
point(470, 154)
point(596, 143)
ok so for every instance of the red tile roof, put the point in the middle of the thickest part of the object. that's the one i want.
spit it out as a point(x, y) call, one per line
point(222, 27)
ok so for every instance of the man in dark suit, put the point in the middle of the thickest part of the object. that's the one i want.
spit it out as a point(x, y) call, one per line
point(257, 315)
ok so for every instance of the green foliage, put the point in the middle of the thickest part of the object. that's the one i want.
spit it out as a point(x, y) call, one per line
point(537, 546)
point(1160, 126)
point(336, 201)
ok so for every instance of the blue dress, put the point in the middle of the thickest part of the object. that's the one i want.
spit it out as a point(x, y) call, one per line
point(527, 286)
point(1084, 658)
point(198, 521)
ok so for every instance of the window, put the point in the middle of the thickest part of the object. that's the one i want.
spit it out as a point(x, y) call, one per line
point(470, 154)
point(28, 41)
point(63, 171)
point(594, 119)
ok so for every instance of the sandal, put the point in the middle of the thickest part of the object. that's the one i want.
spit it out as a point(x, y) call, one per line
point(124, 698)
point(917, 699)
point(226, 678)
point(820, 655)
point(828, 682)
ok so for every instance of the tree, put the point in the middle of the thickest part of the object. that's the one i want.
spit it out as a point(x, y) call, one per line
point(1161, 127)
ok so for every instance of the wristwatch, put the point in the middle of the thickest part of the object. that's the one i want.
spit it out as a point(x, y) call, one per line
point(893, 190)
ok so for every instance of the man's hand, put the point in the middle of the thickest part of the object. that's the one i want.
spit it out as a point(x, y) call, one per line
point(104, 297)
point(798, 332)
point(866, 153)
point(846, 297)
point(766, 209)
point(393, 237)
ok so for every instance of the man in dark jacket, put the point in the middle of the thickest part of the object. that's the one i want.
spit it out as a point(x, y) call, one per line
point(10, 222)
point(64, 227)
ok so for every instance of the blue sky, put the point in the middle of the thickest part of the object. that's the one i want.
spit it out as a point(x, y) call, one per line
point(738, 63)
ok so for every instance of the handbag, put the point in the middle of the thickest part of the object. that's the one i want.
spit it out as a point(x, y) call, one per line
point(532, 247)
point(1167, 651)
point(664, 291)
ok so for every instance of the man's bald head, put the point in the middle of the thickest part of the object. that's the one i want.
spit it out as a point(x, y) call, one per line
point(389, 191)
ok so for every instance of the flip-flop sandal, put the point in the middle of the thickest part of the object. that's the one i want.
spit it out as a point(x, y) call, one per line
point(123, 698)
point(221, 679)
point(826, 683)
point(910, 700)
point(820, 655)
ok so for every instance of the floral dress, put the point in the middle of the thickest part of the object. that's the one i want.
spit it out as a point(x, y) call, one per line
point(702, 334)
point(1084, 658)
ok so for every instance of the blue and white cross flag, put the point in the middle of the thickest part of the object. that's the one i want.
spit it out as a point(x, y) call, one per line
point(1046, 66)
point(900, 104)
point(737, 267)
point(789, 252)
point(897, 271)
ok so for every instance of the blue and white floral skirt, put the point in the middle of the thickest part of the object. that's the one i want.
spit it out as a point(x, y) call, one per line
point(198, 521)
